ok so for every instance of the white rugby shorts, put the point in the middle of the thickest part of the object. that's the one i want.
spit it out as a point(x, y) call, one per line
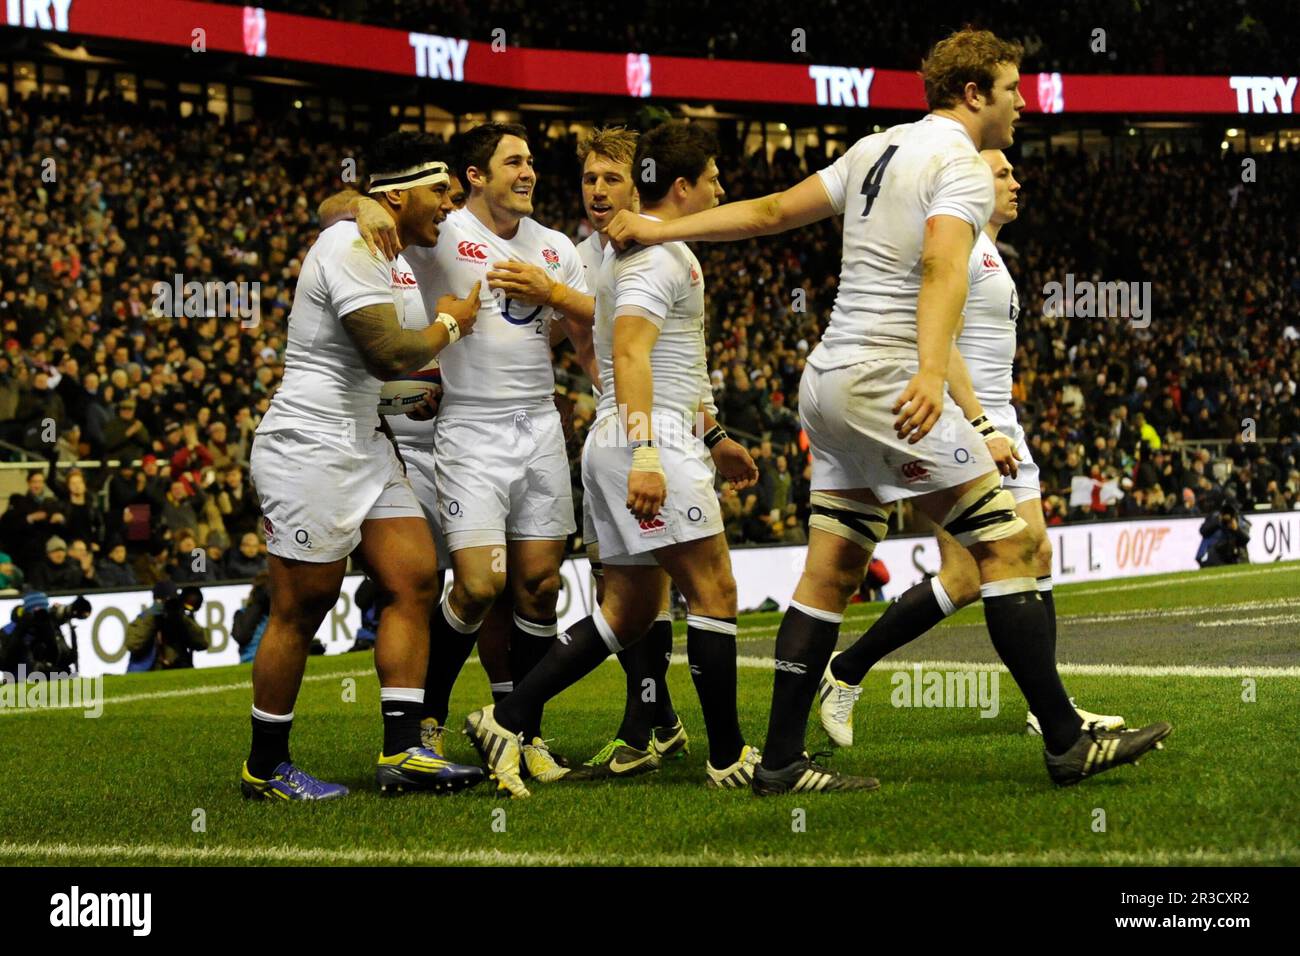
point(316, 489)
point(1025, 486)
point(690, 509)
point(505, 476)
point(848, 415)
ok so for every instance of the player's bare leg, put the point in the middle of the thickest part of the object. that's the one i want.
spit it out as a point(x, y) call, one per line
point(302, 593)
point(400, 557)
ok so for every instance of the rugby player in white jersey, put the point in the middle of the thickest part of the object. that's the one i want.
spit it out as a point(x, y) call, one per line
point(650, 731)
point(330, 482)
point(874, 403)
point(503, 474)
point(979, 380)
point(648, 475)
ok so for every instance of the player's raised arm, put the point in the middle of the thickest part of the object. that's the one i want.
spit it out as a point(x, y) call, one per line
point(389, 350)
point(376, 226)
point(789, 209)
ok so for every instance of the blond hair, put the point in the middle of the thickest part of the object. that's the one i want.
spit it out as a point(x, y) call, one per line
point(615, 143)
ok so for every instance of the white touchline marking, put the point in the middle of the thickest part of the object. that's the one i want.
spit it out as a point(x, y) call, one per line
point(1094, 670)
point(370, 856)
point(1263, 619)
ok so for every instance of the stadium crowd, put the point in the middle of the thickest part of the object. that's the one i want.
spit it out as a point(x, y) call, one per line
point(90, 370)
point(1141, 36)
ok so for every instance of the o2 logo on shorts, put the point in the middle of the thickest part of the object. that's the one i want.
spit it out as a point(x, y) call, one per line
point(302, 537)
point(914, 471)
point(652, 526)
point(453, 508)
point(268, 528)
point(961, 456)
point(695, 513)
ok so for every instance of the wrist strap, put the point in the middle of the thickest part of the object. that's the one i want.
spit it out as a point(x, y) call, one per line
point(983, 426)
point(646, 459)
point(451, 325)
point(556, 291)
point(714, 436)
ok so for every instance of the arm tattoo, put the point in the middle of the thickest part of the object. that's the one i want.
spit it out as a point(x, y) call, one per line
point(387, 349)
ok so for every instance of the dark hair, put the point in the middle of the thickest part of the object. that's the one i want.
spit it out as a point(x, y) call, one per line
point(674, 150)
point(401, 150)
point(475, 147)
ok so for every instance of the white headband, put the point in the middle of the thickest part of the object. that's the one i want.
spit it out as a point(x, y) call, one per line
point(425, 174)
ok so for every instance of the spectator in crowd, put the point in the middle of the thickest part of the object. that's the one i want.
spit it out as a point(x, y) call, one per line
point(248, 561)
point(125, 437)
point(56, 572)
point(11, 576)
point(113, 570)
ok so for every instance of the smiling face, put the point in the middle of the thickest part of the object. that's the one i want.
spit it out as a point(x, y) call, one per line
point(507, 184)
point(1006, 189)
point(606, 189)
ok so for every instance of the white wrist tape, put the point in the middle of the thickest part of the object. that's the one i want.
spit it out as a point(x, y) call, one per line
point(451, 325)
point(647, 459)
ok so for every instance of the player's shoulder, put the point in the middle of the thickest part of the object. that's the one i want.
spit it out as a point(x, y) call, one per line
point(339, 236)
point(544, 237)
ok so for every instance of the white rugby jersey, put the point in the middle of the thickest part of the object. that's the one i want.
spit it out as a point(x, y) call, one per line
point(886, 186)
point(505, 364)
point(406, 429)
point(665, 281)
point(592, 251)
point(988, 337)
point(326, 386)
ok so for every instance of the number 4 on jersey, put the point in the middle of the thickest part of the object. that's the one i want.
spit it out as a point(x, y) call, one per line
point(871, 185)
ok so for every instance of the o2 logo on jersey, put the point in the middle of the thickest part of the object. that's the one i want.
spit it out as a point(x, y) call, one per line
point(504, 303)
point(302, 537)
point(695, 513)
point(453, 508)
point(961, 456)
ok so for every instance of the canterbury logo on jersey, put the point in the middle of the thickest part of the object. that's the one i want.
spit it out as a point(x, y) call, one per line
point(914, 471)
point(471, 250)
point(652, 525)
point(791, 667)
point(990, 263)
point(403, 279)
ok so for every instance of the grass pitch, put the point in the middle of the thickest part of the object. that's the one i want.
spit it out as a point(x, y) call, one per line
point(957, 789)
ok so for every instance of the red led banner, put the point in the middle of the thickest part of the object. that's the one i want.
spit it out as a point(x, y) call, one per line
point(253, 32)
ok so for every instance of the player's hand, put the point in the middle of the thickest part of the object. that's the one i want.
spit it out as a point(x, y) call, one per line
point(377, 228)
point(1004, 454)
point(427, 410)
point(919, 407)
point(628, 229)
point(464, 311)
point(646, 491)
point(522, 281)
point(734, 464)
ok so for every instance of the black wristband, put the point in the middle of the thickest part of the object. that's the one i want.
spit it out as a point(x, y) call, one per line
point(713, 436)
